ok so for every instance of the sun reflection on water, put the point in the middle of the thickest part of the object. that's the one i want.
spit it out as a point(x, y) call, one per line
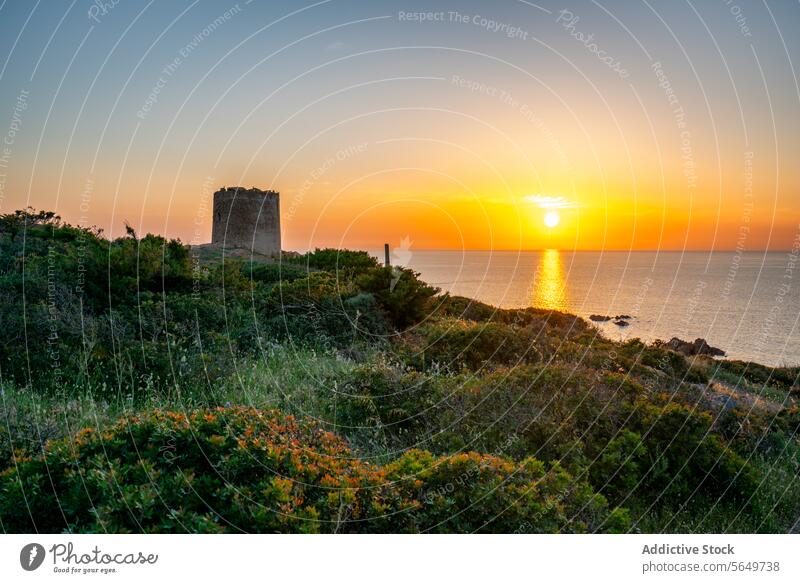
point(548, 288)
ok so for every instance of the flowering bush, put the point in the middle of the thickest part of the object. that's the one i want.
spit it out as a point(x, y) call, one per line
point(219, 470)
point(242, 469)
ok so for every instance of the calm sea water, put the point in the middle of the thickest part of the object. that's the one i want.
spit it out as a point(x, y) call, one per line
point(748, 304)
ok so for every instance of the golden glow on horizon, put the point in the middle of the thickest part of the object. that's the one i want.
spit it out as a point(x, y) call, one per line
point(440, 202)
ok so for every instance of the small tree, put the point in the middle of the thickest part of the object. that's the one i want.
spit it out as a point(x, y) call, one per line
point(400, 292)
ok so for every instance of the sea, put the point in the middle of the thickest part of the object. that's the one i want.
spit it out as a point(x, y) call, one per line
point(746, 303)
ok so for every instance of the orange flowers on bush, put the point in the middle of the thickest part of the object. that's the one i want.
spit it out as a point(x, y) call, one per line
point(247, 470)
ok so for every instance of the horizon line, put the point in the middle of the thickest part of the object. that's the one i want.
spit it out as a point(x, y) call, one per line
point(615, 250)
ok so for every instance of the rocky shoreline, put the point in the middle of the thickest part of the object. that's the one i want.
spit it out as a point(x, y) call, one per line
point(699, 347)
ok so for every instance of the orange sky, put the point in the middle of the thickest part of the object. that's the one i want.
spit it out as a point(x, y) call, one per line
point(376, 130)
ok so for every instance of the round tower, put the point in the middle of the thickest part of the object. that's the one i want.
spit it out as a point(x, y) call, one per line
point(247, 219)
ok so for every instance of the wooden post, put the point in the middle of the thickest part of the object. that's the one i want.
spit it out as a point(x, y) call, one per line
point(386, 254)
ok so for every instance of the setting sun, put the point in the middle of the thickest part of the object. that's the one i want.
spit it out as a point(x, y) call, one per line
point(551, 219)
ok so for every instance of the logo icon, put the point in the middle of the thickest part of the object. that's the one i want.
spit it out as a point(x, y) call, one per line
point(31, 556)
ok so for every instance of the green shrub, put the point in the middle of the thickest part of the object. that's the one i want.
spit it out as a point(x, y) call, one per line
point(341, 262)
point(240, 469)
point(470, 309)
point(553, 412)
point(151, 263)
point(457, 343)
point(302, 292)
point(400, 292)
point(368, 320)
point(471, 492)
point(620, 465)
point(320, 310)
point(220, 470)
point(685, 458)
point(653, 362)
point(760, 375)
point(467, 309)
point(271, 273)
point(382, 405)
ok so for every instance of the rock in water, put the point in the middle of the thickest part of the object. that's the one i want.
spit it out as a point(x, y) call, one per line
point(599, 318)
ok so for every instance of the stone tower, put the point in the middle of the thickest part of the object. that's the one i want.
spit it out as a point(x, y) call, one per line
point(247, 219)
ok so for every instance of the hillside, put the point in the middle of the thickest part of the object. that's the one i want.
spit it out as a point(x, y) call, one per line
point(144, 389)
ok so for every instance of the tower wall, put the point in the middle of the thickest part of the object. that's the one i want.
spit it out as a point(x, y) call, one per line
point(247, 219)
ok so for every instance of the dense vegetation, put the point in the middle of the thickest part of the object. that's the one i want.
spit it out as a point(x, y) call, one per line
point(147, 389)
